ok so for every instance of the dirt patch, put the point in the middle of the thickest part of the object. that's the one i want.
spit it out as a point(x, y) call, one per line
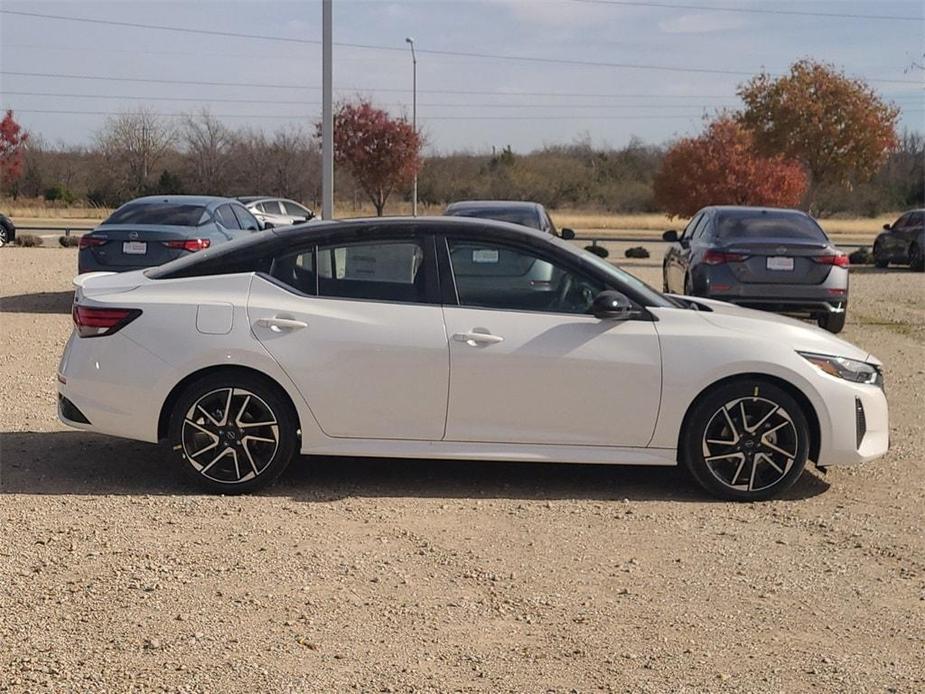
point(396, 575)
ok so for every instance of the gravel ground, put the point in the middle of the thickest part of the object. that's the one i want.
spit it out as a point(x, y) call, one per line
point(435, 576)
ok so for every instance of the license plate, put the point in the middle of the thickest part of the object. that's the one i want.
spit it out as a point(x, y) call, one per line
point(134, 247)
point(777, 263)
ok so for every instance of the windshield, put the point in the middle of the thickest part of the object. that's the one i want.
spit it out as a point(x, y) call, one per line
point(172, 214)
point(525, 217)
point(744, 225)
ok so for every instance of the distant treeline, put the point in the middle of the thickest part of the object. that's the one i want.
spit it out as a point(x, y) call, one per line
point(139, 153)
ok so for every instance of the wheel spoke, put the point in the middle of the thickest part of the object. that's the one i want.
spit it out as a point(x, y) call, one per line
point(216, 459)
point(765, 418)
point(777, 449)
point(769, 461)
point(261, 439)
point(237, 420)
point(227, 412)
point(732, 426)
point(725, 456)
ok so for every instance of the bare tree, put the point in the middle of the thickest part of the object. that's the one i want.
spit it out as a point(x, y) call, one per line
point(207, 142)
point(132, 145)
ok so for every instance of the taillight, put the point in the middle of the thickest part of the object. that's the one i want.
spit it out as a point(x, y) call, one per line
point(90, 242)
point(839, 260)
point(97, 322)
point(720, 258)
point(191, 245)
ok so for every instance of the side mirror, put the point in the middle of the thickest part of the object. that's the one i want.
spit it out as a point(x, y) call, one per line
point(611, 305)
point(567, 234)
point(268, 225)
point(671, 236)
point(887, 227)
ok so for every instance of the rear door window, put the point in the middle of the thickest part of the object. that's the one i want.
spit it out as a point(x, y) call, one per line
point(294, 210)
point(270, 206)
point(226, 217)
point(387, 270)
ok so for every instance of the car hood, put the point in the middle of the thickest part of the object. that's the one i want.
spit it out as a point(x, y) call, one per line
point(804, 337)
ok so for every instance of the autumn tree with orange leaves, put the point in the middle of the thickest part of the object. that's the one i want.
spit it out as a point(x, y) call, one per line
point(722, 167)
point(837, 127)
point(12, 140)
point(382, 153)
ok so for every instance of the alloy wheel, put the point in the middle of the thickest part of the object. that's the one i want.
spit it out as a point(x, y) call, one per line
point(750, 444)
point(230, 435)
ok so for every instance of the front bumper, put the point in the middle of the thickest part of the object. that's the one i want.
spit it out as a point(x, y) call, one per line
point(859, 423)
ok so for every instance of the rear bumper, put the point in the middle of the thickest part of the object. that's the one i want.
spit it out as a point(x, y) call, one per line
point(830, 296)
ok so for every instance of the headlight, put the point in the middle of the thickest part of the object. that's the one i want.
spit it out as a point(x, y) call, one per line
point(848, 369)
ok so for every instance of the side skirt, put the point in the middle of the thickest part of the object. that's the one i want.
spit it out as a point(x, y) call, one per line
point(501, 452)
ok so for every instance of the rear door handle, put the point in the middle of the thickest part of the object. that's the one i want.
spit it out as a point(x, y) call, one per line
point(478, 336)
point(278, 325)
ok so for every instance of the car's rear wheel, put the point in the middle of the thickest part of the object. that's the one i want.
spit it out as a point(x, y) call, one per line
point(833, 322)
point(916, 258)
point(233, 432)
point(746, 440)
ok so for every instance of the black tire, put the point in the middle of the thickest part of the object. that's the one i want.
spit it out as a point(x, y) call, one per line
point(833, 322)
point(737, 468)
point(916, 258)
point(688, 286)
point(262, 427)
point(880, 260)
point(6, 234)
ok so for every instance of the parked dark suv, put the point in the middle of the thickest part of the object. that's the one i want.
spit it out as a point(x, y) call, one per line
point(902, 242)
point(760, 257)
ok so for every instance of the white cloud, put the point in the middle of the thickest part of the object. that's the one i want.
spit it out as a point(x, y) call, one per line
point(700, 23)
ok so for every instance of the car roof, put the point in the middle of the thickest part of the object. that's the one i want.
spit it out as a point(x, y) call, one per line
point(493, 204)
point(204, 200)
point(750, 208)
point(280, 238)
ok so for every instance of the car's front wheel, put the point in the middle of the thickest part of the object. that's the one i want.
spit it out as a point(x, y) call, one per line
point(746, 440)
point(233, 432)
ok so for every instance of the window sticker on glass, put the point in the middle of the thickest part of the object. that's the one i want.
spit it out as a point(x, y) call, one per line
point(485, 255)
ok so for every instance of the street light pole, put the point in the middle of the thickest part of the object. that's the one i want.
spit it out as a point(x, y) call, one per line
point(414, 121)
point(327, 113)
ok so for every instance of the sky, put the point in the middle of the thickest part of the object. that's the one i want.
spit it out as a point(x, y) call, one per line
point(465, 102)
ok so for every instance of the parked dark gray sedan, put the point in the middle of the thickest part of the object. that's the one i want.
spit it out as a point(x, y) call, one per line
point(765, 258)
point(902, 242)
point(154, 230)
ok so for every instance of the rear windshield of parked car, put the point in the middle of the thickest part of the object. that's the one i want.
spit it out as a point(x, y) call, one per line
point(159, 213)
point(778, 225)
point(525, 217)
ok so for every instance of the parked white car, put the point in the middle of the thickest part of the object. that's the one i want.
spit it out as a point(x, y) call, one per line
point(455, 338)
point(277, 212)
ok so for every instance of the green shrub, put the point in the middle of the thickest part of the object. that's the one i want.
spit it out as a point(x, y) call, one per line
point(28, 240)
point(69, 241)
point(636, 252)
point(59, 192)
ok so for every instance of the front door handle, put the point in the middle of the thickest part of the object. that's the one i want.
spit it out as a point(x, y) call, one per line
point(278, 325)
point(478, 336)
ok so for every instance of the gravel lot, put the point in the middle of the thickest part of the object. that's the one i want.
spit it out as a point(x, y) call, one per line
point(435, 576)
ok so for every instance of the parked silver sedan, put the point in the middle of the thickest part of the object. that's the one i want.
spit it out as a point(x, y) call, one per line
point(277, 212)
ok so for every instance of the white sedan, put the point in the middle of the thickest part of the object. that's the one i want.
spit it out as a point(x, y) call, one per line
point(455, 338)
